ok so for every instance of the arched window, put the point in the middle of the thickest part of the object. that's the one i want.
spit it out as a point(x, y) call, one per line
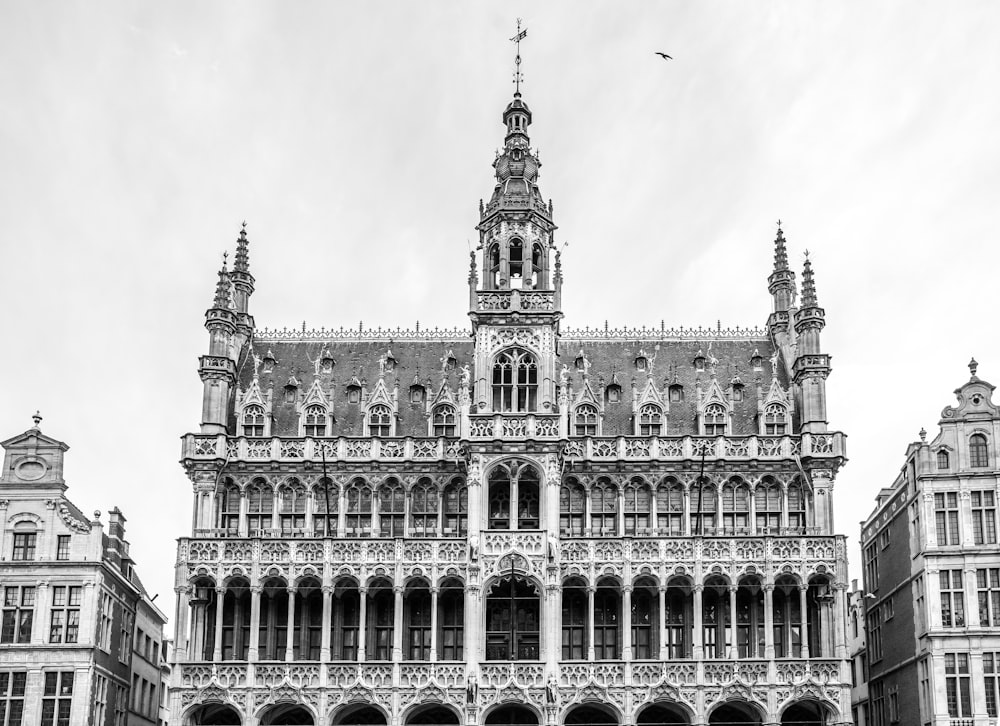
point(504, 481)
point(585, 420)
point(670, 508)
point(704, 503)
point(344, 621)
point(536, 264)
point(978, 452)
point(676, 393)
point(515, 381)
point(315, 421)
point(515, 255)
point(613, 393)
point(527, 499)
point(308, 635)
point(379, 421)
point(498, 511)
point(444, 420)
point(293, 508)
point(456, 509)
point(574, 620)
point(572, 508)
point(359, 508)
point(380, 615)
point(637, 508)
point(512, 620)
point(767, 503)
point(736, 507)
point(679, 604)
point(417, 621)
point(604, 508)
point(424, 509)
point(750, 618)
point(494, 268)
point(451, 615)
point(715, 419)
point(354, 393)
point(326, 505)
point(607, 621)
point(229, 508)
point(787, 618)
point(253, 421)
point(645, 620)
point(236, 621)
point(391, 508)
point(775, 420)
point(650, 420)
point(716, 618)
point(942, 459)
point(273, 628)
point(260, 509)
point(796, 508)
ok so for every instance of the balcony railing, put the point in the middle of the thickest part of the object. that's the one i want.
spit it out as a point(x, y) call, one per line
point(341, 448)
point(513, 426)
point(525, 301)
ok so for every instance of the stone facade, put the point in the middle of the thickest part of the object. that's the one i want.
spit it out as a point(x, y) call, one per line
point(70, 596)
point(515, 523)
point(932, 574)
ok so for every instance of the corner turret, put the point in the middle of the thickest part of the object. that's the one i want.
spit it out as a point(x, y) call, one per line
point(781, 285)
point(218, 369)
point(811, 366)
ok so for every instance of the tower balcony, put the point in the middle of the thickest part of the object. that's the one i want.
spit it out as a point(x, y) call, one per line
point(516, 301)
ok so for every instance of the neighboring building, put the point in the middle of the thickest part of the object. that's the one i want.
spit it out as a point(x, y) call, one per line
point(163, 699)
point(932, 574)
point(859, 655)
point(147, 647)
point(69, 597)
point(514, 523)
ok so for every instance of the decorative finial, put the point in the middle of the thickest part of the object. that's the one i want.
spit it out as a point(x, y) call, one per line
point(37, 418)
point(808, 284)
point(221, 301)
point(923, 435)
point(242, 261)
point(518, 37)
point(780, 253)
point(973, 367)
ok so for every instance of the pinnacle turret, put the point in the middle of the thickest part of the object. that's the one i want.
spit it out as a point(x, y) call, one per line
point(242, 262)
point(780, 253)
point(222, 288)
point(808, 285)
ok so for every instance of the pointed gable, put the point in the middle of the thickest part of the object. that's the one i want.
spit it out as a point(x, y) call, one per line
point(316, 396)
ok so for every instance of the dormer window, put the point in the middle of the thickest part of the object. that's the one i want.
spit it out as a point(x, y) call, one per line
point(942, 459)
point(650, 420)
point(699, 362)
point(676, 393)
point(775, 420)
point(580, 362)
point(315, 421)
point(641, 363)
point(379, 421)
point(613, 393)
point(715, 420)
point(737, 392)
point(253, 421)
point(291, 389)
point(354, 394)
point(978, 452)
point(756, 361)
point(416, 393)
point(444, 420)
point(585, 420)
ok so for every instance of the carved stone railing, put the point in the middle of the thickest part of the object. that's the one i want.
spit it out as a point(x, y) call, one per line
point(527, 301)
point(498, 542)
point(513, 426)
point(341, 448)
point(731, 448)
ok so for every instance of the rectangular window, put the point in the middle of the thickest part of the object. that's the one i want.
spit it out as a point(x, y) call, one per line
point(918, 615)
point(18, 614)
point(877, 697)
point(62, 547)
point(883, 538)
point(988, 587)
point(894, 705)
point(124, 645)
point(946, 518)
point(871, 567)
point(984, 518)
point(64, 626)
point(925, 686)
point(957, 686)
point(12, 697)
point(875, 634)
point(952, 599)
point(24, 546)
point(57, 698)
point(100, 700)
point(107, 620)
point(121, 705)
point(991, 681)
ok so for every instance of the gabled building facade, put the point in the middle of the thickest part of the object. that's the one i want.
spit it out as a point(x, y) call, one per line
point(932, 574)
point(514, 523)
point(69, 597)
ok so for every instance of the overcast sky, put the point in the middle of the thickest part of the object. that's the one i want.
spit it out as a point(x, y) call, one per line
point(356, 140)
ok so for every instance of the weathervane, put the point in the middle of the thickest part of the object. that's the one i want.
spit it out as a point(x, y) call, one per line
point(521, 34)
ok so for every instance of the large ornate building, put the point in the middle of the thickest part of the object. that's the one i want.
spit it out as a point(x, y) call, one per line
point(514, 523)
point(932, 574)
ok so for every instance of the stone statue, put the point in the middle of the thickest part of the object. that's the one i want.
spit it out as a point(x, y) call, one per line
point(551, 691)
point(564, 376)
point(471, 690)
point(774, 363)
point(473, 549)
point(466, 376)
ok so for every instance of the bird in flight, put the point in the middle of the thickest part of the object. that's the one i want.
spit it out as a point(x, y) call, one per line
point(663, 55)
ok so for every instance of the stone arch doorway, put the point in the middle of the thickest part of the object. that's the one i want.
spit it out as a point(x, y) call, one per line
point(512, 715)
point(287, 714)
point(214, 714)
point(433, 715)
point(662, 714)
point(590, 714)
point(736, 713)
point(806, 713)
point(360, 715)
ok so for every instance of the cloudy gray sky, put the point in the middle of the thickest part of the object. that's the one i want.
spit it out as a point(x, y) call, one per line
point(356, 140)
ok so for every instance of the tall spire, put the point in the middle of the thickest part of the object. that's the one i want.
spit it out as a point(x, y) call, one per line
point(241, 278)
point(221, 301)
point(242, 262)
point(518, 77)
point(780, 253)
point(808, 285)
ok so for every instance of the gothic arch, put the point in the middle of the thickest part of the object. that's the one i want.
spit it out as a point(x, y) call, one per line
point(215, 713)
point(521, 713)
point(663, 711)
point(286, 713)
point(736, 711)
point(360, 714)
point(431, 713)
point(807, 712)
point(591, 713)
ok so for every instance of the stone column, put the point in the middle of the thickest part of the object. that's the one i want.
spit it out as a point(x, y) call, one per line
point(753, 510)
point(590, 622)
point(662, 593)
point(587, 511)
point(324, 648)
point(434, 623)
point(627, 623)
point(552, 626)
point(971, 596)
point(363, 624)
point(290, 637)
point(804, 612)
point(769, 621)
point(253, 652)
point(43, 604)
point(784, 507)
point(220, 602)
point(244, 509)
point(733, 647)
point(686, 522)
point(698, 635)
point(88, 634)
point(341, 512)
point(839, 622)
point(397, 624)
